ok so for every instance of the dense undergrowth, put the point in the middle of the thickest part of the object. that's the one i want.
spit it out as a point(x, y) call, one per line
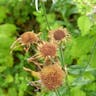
point(19, 16)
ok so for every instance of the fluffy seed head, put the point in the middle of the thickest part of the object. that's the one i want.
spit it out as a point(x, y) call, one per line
point(28, 37)
point(48, 49)
point(52, 76)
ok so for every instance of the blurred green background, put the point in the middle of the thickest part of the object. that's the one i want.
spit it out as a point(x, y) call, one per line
point(19, 16)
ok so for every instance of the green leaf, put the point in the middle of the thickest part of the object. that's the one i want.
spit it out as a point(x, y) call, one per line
point(3, 12)
point(78, 69)
point(2, 68)
point(12, 91)
point(84, 25)
point(76, 91)
point(80, 81)
point(1, 92)
point(6, 58)
point(82, 46)
point(9, 78)
point(8, 29)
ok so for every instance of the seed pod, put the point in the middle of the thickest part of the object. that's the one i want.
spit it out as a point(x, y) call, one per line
point(52, 76)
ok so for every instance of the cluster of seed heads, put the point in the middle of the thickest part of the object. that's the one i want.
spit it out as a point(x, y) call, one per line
point(50, 72)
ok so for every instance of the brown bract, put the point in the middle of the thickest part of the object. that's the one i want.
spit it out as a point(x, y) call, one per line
point(47, 49)
point(52, 76)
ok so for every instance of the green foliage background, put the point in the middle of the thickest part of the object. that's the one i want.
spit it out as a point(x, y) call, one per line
point(18, 16)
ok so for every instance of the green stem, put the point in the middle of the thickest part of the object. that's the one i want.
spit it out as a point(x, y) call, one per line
point(61, 54)
point(62, 62)
point(68, 25)
point(68, 86)
point(57, 92)
point(45, 14)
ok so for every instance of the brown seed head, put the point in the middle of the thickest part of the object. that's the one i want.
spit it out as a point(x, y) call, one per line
point(48, 49)
point(52, 76)
point(28, 37)
point(59, 34)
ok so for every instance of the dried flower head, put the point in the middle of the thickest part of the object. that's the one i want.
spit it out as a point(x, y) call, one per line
point(26, 39)
point(59, 34)
point(52, 76)
point(47, 49)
